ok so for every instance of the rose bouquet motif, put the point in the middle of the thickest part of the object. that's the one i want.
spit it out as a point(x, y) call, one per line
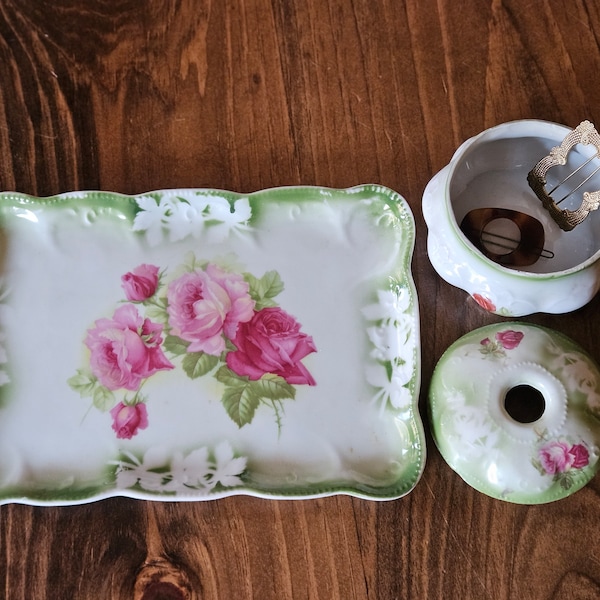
point(560, 459)
point(503, 340)
point(211, 320)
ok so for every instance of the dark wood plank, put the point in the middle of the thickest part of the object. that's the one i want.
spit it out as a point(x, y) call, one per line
point(133, 96)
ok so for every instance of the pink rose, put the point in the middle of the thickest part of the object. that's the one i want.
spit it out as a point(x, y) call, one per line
point(203, 305)
point(127, 419)
point(556, 457)
point(141, 283)
point(581, 456)
point(125, 349)
point(272, 343)
point(509, 339)
point(484, 302)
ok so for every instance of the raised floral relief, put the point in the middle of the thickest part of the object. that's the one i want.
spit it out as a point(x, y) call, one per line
point(579, 374)
point(177, 214)
point(197, 471)
point(392, 335)
point(503, 340)
point(4, 377)
point(477, 431)
point(560, 459)
point(208, 321)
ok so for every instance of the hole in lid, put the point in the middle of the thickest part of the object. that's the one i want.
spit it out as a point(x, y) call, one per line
point(524, 403)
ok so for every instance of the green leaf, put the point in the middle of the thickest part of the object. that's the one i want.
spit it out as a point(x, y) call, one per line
point(253, 286)
point(264, 289)
point(264, 303)
point(175, 345)
point(240, 403)
point(271, 284)
point(273, 387)
point(157, 312)
point(538, 465)
point(103, 398)
point(83, 383)
point(566, 481)
point(196, 364)
point(191, 263)
point(155, 300)
point(209, 222)
point(229, 378)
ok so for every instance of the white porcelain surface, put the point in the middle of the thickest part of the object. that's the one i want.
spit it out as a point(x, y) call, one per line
point(490, 170)
point(192, 344)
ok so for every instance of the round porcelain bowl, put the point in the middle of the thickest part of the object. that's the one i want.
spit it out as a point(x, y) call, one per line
point(490, 171)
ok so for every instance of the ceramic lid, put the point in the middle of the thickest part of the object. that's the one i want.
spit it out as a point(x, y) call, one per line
point(514, 409)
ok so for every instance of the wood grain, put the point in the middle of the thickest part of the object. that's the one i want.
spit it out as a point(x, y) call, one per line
point(132, 96)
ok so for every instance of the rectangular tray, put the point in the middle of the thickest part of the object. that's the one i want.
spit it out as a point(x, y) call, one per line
point(195, 344)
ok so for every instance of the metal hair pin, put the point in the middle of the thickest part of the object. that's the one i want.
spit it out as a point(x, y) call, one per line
point(585, 133)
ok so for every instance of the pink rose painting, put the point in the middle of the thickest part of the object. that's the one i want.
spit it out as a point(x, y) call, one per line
point(559, 457)
point(581, 456)
point(484, 302)
point(503, 340)
point(207, 321)
point(141, 283)
point(205, 305)
point(128, 419)
point(271, 342)
point(509, 339)
point(126, 349)
point(561, 460)
point(555, 457)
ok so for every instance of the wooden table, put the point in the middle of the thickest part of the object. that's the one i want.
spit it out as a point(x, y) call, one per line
point(132, 96)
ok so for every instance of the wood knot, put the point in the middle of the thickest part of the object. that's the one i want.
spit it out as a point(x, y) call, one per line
point(163, 590)
point(161, 580)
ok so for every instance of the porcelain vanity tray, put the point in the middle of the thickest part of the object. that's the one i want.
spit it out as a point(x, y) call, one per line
point(194, 344)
